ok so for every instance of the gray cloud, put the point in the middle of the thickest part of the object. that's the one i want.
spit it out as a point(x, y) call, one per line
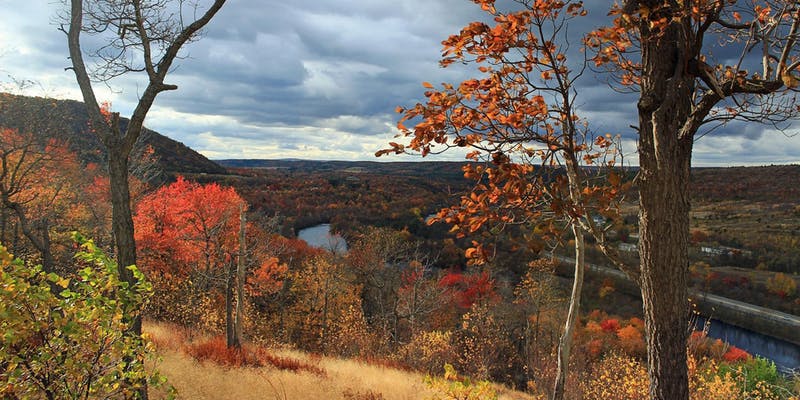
point(312, 78)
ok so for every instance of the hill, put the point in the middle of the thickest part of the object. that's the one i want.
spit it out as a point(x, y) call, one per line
point(771, 184)
point(67, 121)
point(442, 170)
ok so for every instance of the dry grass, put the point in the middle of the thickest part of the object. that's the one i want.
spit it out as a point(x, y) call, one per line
point(343, 379)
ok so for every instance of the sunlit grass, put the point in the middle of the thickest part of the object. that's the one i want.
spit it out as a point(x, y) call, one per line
point(342, 379)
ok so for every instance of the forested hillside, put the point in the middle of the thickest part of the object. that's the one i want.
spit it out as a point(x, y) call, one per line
point(67, 121)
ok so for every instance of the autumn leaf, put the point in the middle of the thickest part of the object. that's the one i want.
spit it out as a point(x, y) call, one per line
point(789, 80)
point(614, 179)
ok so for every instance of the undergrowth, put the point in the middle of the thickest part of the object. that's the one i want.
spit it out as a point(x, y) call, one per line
point(217, 351)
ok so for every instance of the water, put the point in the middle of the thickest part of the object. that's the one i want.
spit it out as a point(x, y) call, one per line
point(785, 355)
point(320, 236)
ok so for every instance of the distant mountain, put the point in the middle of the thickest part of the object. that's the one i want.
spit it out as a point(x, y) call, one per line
point(775, 183)
point(771, 184)
point(67, 120)
point(424, 169)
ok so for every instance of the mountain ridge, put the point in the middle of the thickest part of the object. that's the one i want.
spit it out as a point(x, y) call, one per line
point(67, 121)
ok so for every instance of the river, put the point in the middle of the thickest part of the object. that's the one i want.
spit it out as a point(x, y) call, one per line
point(320, 236)
point(785, 355)
point(783, 352)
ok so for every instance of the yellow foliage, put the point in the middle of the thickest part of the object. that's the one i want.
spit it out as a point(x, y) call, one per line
point(455, 387)
point(782, 285)
point(428, 350)
point(617, 377)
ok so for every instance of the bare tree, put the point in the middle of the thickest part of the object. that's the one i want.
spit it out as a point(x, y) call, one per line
point(141, 36)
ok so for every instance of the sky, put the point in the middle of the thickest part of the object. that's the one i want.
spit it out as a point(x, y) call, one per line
point(320, 79)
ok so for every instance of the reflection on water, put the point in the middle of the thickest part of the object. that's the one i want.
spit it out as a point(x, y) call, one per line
point(320, 236)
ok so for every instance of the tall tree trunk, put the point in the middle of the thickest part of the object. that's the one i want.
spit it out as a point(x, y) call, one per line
point(663, 181)
point(122, 220)
point(240, 277)
point(229, 283)
point(122, 230)
point(565, 343)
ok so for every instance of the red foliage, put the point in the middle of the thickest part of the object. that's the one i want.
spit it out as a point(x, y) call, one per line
point(217, 351)
point(187, 225)
point(735, 354)
point(268, 278)
point(469, 289)
point(610, 325)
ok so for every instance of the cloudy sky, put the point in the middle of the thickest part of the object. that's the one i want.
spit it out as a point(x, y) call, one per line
point(318, 79)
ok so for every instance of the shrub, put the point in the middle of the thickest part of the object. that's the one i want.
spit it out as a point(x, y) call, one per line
point(706, 384)
point(64, 338)
point(428, 350)
point(631, 340)
point(217, 351)
point(455, 387)
point(735, 354)
point(610, 325)
point(756, 377)
point(782, 285)
point(616, 377)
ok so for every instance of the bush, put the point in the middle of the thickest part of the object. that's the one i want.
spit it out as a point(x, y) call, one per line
point(455, 387)
point(617, 377)
point(64, 338)
point(428, 350)
point(217, 351)
point(782, 285)
point(756, 377)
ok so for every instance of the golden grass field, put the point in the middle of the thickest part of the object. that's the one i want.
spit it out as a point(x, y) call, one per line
point(344, 379)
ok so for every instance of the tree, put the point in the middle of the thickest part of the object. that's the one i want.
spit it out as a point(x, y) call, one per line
point(663, 49)
point(538, 294)
point(666, 50)
point(37, 178)
point(520, 121)
point(325, 293)
point(141, 36)
point(189, 230)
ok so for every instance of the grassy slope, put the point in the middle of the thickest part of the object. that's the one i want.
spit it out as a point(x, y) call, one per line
point(345, 379)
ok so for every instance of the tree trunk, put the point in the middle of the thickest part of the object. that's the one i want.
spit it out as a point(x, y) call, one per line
point(663, 181)
point(229, 329)
point(565, 343)
point(40, 244)
point(122, 229)
point(240, 277)
point(122, 221)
